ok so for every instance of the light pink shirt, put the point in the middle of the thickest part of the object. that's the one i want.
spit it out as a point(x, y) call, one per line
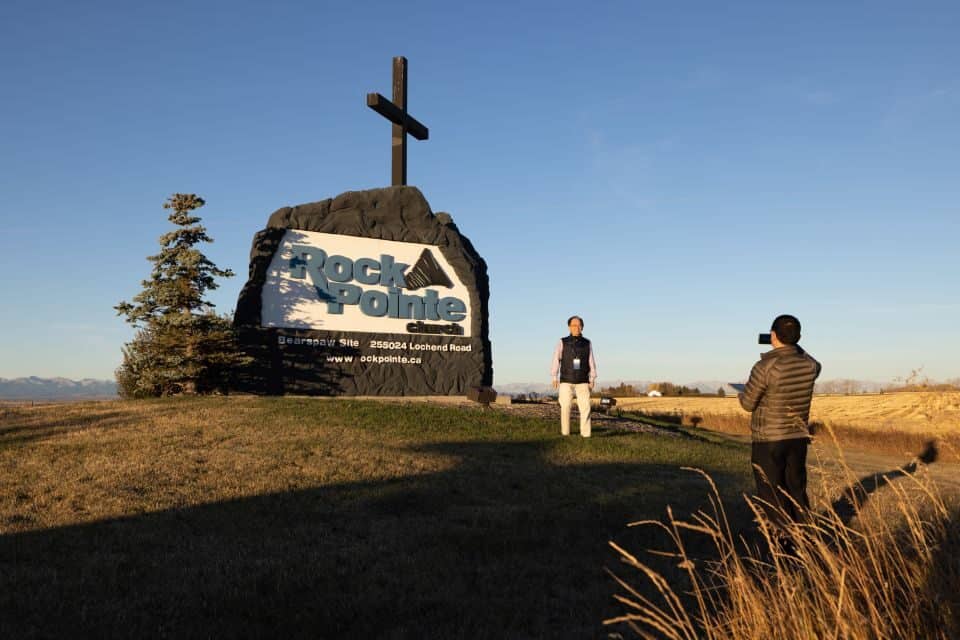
point(558, 353)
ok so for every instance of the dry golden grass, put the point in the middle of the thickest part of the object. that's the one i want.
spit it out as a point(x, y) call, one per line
point(863, 567)
point(95, 461)
point(889, 423)
point(931, 413)
point(292, 517)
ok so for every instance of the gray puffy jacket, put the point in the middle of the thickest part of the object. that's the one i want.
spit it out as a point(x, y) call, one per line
point(779, 393)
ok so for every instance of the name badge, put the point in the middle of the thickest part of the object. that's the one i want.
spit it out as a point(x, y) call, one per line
point(576, 364)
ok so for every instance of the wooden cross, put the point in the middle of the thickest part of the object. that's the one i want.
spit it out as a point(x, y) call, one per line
point(403, 123)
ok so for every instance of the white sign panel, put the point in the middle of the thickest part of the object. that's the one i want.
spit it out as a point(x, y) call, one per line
point(333, 282)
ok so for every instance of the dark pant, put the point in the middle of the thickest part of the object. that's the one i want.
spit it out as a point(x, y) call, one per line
point(782, 470)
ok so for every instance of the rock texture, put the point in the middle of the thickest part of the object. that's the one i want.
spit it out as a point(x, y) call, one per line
point(393, 213)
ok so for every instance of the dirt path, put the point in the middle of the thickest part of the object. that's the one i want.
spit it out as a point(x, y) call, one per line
point(864, 466)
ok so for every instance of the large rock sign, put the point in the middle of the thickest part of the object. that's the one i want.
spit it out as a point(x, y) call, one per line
point(368, 293)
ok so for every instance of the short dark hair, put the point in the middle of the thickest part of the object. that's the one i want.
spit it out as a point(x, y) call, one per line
point(572, 318)
point(787, 328)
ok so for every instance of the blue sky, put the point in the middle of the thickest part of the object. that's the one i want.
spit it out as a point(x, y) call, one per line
point(676, 172)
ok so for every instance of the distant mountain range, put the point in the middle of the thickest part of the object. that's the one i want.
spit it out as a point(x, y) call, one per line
point(34, 388)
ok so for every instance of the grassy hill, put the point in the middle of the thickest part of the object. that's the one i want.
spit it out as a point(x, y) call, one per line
point(326, 518)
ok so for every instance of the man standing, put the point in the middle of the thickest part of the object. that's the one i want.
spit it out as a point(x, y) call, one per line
point(574, 370)
point(778, 395)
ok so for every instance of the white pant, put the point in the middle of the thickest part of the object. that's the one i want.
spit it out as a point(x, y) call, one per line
point(582, 390)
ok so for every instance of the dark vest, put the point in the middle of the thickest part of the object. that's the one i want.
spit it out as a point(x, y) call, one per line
point(573, 348)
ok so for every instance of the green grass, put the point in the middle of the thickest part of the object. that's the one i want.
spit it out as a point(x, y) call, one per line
point(327, 518)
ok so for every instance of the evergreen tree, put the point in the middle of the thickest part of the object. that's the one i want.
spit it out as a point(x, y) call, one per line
point(182, 346)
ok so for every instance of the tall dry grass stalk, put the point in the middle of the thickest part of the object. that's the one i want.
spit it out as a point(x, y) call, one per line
point(860, 567)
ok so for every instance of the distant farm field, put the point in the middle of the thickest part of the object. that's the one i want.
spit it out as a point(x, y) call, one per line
point(927, 412)
point(891, 423)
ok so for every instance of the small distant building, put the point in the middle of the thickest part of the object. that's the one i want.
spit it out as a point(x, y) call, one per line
point(654, 394)
point(731, 389)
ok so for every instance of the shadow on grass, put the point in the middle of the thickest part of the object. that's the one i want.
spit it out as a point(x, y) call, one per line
point(943, 581)
point(853, 498)
point(506, 544)
point(24, 426)
point(663, 417)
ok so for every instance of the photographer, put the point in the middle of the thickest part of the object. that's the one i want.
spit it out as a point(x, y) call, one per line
point(574, 371)
point(778, 395)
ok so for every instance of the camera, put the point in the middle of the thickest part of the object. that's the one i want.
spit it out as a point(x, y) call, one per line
point(764, 339)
